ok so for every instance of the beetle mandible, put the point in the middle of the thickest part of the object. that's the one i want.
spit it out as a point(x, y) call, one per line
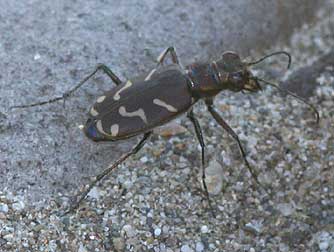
point(136, 107)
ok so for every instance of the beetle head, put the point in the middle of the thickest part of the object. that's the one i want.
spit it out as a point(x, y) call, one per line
point(234, 74)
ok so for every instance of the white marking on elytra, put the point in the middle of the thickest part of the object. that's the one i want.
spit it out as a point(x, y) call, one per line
point(93, 112)
point(117, 95)
point(140, 112)
point(114, 129)
point(150, 74)
point(100, 99)
point(100, 128)
point(161, 103)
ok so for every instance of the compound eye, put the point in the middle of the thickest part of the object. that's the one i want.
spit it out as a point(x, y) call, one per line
point(237, 77)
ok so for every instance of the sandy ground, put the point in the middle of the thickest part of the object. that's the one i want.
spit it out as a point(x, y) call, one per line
point(154, 202)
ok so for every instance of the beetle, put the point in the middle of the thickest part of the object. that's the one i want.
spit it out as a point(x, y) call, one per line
point(137, 106)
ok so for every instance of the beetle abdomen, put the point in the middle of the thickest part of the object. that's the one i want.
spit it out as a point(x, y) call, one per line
point(135, 107)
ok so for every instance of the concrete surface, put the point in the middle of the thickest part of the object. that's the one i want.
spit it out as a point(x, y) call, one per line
point(303, 82)
point(48, 46)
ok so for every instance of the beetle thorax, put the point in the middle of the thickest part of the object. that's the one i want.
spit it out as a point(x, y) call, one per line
point(204, 80)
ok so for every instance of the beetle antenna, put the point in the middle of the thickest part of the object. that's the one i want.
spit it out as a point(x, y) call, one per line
point(287, 92)
point(270, 55)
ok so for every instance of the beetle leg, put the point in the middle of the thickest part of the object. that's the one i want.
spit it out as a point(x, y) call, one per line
point(109, 169)
point(163, 55)
point(199, 135)
point(161, 59)
point(102, 67)
point(229, 130)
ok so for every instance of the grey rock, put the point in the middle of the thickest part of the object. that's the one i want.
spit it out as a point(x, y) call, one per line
point(48, 46)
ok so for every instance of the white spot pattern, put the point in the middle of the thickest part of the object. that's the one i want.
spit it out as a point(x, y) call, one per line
point(100, 99)
point(93, 112)
point(114, 129)
point(140, 112)
point(117, 95)
point(150, 74)
point(100, 128)
point(161, 103)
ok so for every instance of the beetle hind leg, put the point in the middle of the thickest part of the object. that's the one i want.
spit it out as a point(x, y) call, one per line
point(164, 53)
point(161, 58)
point(199, 135)
point(107, 171)
point(102, 67)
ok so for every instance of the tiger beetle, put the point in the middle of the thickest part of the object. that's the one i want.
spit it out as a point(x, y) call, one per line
point(136, 107)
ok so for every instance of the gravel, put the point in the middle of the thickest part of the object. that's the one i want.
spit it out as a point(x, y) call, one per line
point(160, 206)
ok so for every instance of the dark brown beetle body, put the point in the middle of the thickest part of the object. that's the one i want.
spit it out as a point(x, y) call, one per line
point(139, 105)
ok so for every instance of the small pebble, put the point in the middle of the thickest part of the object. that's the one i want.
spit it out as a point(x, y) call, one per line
point(94, 193)
point(171, 129)
point(82, 248)
point(199, 247)
point(130, 232)
point(323, 245)
point(186, 248)
point(3, 208)
point(214, 177)
point(204, 229)
point(37, 56)
point(9, 237)
point(119, 244)
point(144, 159)
point(285, 208)
point(157, 232)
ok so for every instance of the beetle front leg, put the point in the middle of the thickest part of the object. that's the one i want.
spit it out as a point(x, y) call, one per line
point(109, 169)
point(231, 132)
point(199, 135)
point(161, 60)
point(102, 67)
